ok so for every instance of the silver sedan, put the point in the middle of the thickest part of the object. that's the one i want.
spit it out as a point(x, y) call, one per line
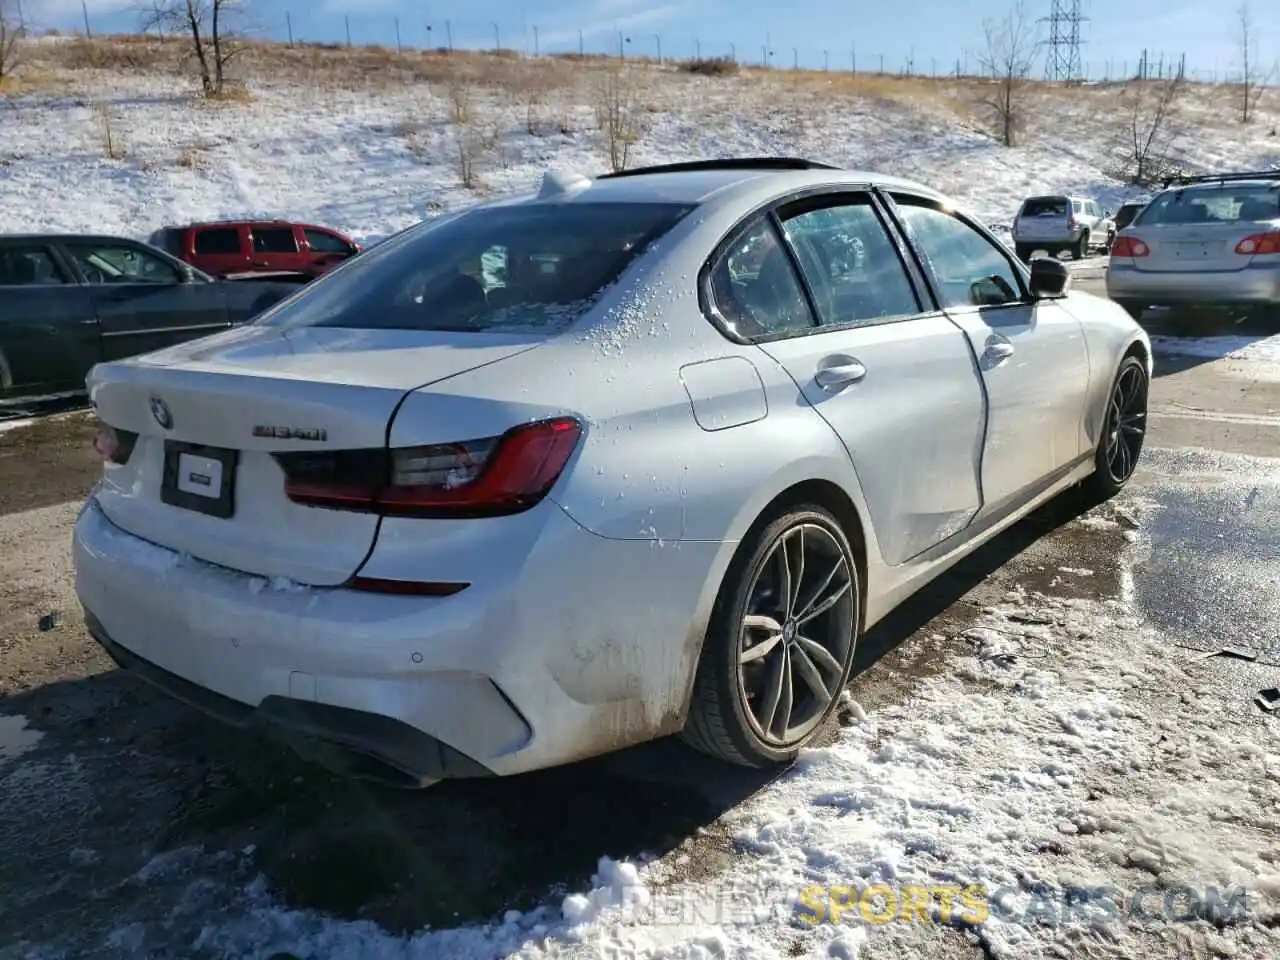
point(630, 456)
point(1204, 241)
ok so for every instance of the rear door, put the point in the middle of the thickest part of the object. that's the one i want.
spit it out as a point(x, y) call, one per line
point(277, 246)
point(48, 331)
point(1031, 353)
point(834, 303)
point(142, 300)
point(221, 249)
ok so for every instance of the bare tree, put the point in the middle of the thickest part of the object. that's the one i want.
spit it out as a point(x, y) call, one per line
point(209, 25)
point(1252, 80)
point(12, 30)
point(620, 114)
point(1006, 57)
point(1151, 114)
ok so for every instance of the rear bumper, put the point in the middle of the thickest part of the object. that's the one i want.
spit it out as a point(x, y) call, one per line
point(1252, 286)
point(563, 654)
point(351, 742)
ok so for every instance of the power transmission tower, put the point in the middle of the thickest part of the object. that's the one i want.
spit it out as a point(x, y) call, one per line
point(1063, 60)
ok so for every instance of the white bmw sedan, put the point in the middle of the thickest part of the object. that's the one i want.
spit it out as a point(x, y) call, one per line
point(636, 455)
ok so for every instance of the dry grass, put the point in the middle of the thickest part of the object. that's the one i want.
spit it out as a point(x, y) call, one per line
point(546, 95)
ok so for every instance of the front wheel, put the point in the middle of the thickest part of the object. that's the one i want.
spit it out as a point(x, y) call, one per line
point(780, 644)
point(1124, 430)
point(1080, 249)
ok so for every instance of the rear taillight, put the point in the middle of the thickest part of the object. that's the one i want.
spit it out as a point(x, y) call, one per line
point(1259, 244)
point(114, 446)
point(1129, 247)
point(489, 477)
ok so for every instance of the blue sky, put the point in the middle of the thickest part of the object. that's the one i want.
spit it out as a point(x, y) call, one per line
point(933, 32)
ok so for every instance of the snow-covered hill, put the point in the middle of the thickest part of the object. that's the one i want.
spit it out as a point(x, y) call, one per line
point(115, 139)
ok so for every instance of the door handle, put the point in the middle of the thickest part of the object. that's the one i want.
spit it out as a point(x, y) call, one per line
point(840, 375)
point(998, 349)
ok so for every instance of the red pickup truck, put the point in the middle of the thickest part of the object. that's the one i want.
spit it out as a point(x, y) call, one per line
point(244, 247)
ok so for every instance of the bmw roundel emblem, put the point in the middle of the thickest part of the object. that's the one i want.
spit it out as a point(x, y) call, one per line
point(160, 410)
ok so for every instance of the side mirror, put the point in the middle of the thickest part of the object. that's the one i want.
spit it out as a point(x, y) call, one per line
point(991, 292)
point(1049, 277)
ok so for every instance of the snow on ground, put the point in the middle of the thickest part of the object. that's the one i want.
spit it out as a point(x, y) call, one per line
point(372, 160)
point(1261, 349)
point(1073, 786)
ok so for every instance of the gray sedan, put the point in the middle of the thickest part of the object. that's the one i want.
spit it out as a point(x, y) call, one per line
point(1203, 242)
point(70, 301)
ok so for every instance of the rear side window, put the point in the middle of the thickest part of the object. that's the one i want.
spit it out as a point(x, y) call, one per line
point(1243, 204)
point(321, 242)
point(223, 240)
point(166, 239)
point(852, 265)
point(274, 240)
point(29, 267)
point(754, 289)
point(1045, 207)
point(522, 267)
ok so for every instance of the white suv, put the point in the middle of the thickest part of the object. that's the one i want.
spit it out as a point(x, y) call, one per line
point(1057, 223)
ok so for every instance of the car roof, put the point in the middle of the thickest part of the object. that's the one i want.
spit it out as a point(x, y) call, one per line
point(1223, 184)
point(702, 186)
point(66, 237)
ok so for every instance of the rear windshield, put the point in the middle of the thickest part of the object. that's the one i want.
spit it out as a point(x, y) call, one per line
point(166, 240)
point(1045, 207)
point(498, 269)
point(1243, 204)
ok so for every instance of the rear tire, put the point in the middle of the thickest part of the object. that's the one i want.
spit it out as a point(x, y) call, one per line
point(1080, 249)
point(767, 654)
point(1124, 430)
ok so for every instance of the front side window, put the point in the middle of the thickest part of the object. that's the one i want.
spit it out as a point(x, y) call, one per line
point(511, 268)
point(321, 242)
point(970, 270)
point(755, 290)
point(112, 264)
point(851, 263)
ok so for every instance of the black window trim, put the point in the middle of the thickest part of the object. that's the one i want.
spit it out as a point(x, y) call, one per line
point(70, 277)
point(925, 295)
point(179, 267)
point(1020, 270)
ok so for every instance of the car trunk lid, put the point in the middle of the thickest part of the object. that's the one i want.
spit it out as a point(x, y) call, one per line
point(1196, 248)
point(209, 415)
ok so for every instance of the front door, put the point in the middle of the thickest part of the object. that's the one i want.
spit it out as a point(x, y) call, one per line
point(143, 302)
point(1032, 353)
point(832, 301)
point(275, 247)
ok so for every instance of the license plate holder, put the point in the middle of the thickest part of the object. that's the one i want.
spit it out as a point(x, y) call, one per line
point(199, 478)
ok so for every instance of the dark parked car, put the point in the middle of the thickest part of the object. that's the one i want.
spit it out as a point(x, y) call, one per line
point(70, 301)
point(1128, 210)
point(227, 247)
